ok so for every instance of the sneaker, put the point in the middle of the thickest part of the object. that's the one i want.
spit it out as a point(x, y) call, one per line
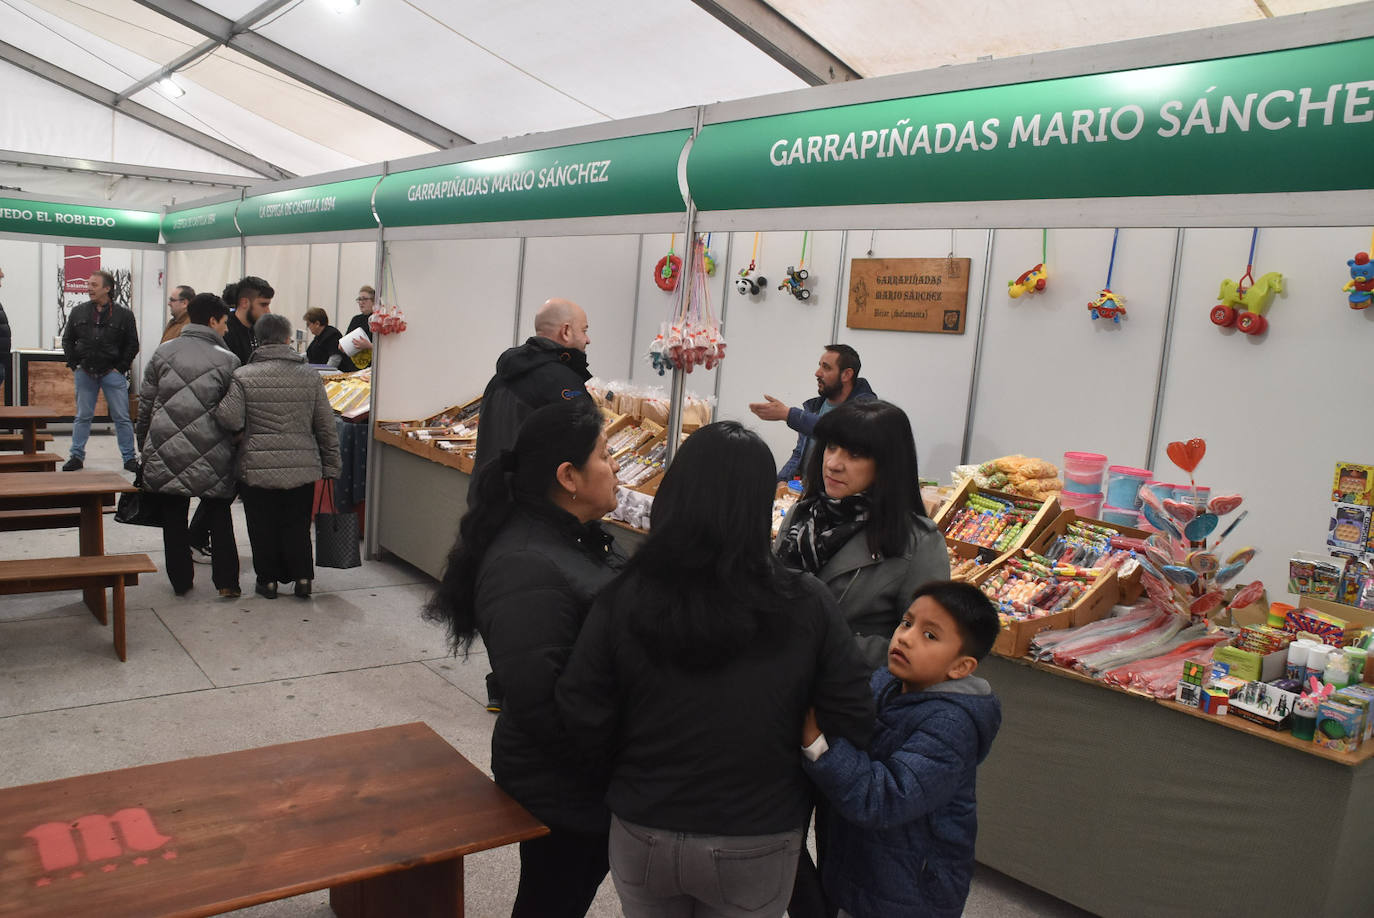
point(200, 555)
point(228, 593)
point(73, 465)
point(131, 466)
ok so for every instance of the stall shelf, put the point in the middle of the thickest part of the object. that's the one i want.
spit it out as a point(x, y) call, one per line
point(1124, 805)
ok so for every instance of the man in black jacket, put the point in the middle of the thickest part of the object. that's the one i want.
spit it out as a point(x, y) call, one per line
point(100, 341)
point(550, 366)
point(5, 342)
point(251, 299)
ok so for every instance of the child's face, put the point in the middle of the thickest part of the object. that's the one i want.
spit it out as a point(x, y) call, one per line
point(927, 648)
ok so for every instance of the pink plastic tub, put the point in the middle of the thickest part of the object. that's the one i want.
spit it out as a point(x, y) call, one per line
point(1083, 472)
point(1083, 504)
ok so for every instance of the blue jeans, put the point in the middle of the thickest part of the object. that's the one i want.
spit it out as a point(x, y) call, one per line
point(664, 874)
point(116, 389)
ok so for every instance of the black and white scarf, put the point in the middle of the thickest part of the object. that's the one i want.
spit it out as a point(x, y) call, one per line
point(819, 528)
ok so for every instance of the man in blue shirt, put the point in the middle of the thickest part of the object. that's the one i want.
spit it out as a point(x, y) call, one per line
point(837, 381)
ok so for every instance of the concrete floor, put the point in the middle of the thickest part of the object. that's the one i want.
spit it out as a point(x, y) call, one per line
point(207, 675)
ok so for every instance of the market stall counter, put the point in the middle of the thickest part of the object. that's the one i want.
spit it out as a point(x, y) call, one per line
point(1124, 805)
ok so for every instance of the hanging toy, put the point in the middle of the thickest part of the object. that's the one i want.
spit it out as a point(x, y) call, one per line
point(1032, 281)
point(1244, 305)
point(709, 258)
point(668, 268)
point(1109, 305)
point(796, 277)
point(1361, 285)
point(749, 284)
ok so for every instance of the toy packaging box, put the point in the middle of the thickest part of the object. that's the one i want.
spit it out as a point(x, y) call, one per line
point(1354, 484)
point(1349, 528)
point(1263, 704)
point(1310, 574)
point(1340, 726)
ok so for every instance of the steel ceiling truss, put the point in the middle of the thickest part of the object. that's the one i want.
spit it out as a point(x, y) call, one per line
point(778, 37)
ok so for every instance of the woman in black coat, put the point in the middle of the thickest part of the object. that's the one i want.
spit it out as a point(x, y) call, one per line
point(529, 559)
point(323, 349)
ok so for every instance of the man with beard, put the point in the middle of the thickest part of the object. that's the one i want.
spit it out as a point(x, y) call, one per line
point(837, 381)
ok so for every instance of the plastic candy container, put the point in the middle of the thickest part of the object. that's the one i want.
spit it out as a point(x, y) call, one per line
point(1123, 486)
point(1083, 504)
point(1163, 490)
point(1120, 515)
point(1083, 472)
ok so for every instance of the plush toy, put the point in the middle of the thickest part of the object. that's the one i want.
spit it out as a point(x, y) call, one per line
point(793, 284)
point(1032, 281)
point(1361, 285)
point(750, 286)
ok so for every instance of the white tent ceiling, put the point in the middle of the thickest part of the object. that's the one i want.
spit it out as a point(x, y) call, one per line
point(296, 87)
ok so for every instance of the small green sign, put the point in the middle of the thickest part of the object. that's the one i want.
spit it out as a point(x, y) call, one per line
point(1282, 121)
point(626, 175)
point(213, 221)
point(316, 209)
point(51, 219)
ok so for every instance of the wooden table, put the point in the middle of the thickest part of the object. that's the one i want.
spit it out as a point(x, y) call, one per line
point(87, 491)
point(26, 419)
point(381, 818)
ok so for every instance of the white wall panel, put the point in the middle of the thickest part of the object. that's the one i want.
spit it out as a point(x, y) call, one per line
point(204, 270)
point(24, 288)
point(287, 269)
point(358, 266)
point(1053, 378)
point(459, 299)
point(322, 288)
point(1280, 410)
point(597, 273)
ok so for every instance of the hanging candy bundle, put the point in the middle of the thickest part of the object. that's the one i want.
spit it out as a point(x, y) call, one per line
point(387, 317)
point(691, 337)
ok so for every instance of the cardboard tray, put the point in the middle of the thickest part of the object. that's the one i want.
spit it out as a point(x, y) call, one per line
point(1130, 587)
point(1014, 640)
point(945, 517)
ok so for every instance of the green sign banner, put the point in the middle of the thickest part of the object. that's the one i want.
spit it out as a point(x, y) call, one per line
point(626, 175)
point(52, 219)
point(317, 209)
point(213, 221)
point(1295, 120)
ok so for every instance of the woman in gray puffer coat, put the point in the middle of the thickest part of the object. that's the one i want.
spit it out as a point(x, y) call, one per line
point(289, 443)
point(185, 453)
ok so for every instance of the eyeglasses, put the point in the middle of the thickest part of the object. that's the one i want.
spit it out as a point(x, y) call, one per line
point(363, 299)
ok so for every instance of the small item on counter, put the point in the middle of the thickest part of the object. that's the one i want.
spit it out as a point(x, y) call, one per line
point(1340, 726)
point(1354, 484)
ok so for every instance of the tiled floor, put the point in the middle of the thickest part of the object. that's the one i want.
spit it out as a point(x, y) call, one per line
point(207, 675)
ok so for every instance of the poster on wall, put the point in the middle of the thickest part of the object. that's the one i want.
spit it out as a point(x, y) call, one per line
point(909, 294)
point(78, 263)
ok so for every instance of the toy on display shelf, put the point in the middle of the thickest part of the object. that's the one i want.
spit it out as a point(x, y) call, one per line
point(1181, 571)
point(1244, 304)
point(669, 268)
point(1360, 287)
point(1032, 281)
point(748, 283)
point(1109, 305)
point(796, 277)
point(692, 337)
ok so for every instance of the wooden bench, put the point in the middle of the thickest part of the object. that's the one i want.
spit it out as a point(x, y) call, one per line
point(16, 441)
point(19, 520)
point(381, 818)
point(29, 462)
point(47, 575)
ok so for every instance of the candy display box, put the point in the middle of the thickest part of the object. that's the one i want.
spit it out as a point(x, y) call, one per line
point(433, 438)
point(1015, 637)
point(945, 518)
point(1129, 585)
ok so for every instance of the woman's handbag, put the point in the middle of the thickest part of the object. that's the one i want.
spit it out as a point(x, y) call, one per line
point(139, 508)
point(336, 534)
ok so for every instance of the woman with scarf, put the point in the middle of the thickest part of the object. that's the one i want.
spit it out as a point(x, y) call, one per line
point(862, 529)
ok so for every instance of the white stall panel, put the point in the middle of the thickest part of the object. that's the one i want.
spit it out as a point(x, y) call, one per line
point(204, 270)
point(287, 269)
point(23, 289)
point(597, 273)
point(323, 286)
point(459, 299)
point(775, 340)
point(358, 266)
point(927, 375)
point(1278, 411)
point(1053, 378)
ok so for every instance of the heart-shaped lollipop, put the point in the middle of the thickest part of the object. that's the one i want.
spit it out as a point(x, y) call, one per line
point(1201, 527)
point(1187, 455)
point(1184, 576)
point(1179, 510)
point(1224, 504)
point(1207, 603)
point(1247, 594)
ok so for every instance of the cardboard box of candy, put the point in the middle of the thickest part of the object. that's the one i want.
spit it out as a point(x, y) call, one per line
point(1016, 634)
point(1128, 579)
point(963, 520)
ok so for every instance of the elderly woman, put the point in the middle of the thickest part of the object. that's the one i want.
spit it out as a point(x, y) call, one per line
point(323, 349)
point(289, 443)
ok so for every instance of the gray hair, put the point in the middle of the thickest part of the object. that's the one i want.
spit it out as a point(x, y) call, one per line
point(272, 329)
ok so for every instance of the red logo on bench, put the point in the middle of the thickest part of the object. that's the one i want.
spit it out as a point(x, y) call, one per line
point(57, 847)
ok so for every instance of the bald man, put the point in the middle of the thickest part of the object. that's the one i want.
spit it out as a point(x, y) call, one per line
point(550, 366)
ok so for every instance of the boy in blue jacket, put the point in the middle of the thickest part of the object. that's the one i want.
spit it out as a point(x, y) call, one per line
point(902, 816)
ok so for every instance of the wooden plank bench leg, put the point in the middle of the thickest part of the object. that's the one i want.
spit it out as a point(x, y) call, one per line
point(427, 891)
point(118, 591)
point(92, 539)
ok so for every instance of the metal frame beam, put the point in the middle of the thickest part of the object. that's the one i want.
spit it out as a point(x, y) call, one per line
point(97, 93)
point(265, 51)
point(778, 37)
point(128, 170)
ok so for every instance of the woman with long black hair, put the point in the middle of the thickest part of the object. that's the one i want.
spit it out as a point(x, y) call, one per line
point(691, 679)
point(528, 561)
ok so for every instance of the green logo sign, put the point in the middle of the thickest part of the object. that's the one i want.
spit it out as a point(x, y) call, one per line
point(1296, 120)
point(317, 209)
point(51, 219)
point(213, 221)
point(627, 175)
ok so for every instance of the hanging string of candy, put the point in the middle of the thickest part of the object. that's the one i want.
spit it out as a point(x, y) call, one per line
point(1360, 288)
point(691, 336)
point(1109, 305)
point(387, 316)
point(1032, 281)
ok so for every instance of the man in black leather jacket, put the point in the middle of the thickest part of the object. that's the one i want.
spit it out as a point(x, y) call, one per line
point(100, 341)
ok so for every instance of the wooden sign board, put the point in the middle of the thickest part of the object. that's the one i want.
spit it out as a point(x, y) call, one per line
point(909, 294)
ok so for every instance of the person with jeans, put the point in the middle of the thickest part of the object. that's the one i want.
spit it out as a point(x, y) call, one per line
point(186, 453)
point(100, 342)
